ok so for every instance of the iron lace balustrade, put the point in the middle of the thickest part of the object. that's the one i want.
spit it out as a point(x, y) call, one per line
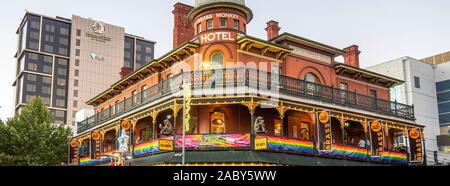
point(255, 79)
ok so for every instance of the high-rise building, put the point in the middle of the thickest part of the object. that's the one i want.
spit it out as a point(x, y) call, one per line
point(68, 61)
point(441, 63)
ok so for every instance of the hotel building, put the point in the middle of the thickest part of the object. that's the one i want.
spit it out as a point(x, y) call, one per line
point(241, 100)
point(68, 61)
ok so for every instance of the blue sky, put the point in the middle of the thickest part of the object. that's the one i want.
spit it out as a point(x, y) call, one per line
point(384, 29)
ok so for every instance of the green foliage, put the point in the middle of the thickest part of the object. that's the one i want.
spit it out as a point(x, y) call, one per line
point(31, 138)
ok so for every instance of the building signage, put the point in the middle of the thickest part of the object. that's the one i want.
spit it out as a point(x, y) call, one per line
point(377, 138)
point(416, 146)
point(165, 145)
point(216, 36)
point(261, 143)
point(97, 57)
point(99, 38)
point(219, 15)
point(99, 28)
point(74, 152)
point(95, 149)
point(324, 130)
point(215, 141)
point(310, 54)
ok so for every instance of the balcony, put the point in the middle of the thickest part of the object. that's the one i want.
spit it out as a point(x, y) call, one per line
point(249, 80)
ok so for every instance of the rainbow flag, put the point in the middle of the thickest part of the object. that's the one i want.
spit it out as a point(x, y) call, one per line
point(290, 145)
point(146, 148)
point(392, 157)
point(350, 152)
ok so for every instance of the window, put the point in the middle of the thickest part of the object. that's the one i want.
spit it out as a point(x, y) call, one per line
point(373, 93)
point(61, 82)
point(199, 27)
point(75, 103)
point(209, 24)
point(32, 66)
point(77, 62)
point(77, 72)
point(60, 103)
point(62, 72)
point(63, 41)
point(78, 42)
point(223, 23)
point(31, 88)
point(34, 24)
point(416, 82)
point(48, 48)
point(218, 122)
point(47, 80)
point(64, 31)
point(75, 83)
point(31, 77)
point(217, 60)
point(33, 56)
point(75, 93)
point(78, 32)
point(45, 90)
point(77, 52)
point(236, 24)
point(309, 77)
point(60, 92)
point(47, 69)
point(344, 86)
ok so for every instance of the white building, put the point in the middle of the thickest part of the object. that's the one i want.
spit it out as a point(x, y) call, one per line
point(419, 90)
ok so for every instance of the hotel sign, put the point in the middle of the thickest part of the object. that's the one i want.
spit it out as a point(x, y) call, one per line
point(99, 38)
point(310, 54)
point(219, 15)
point(416, 145)
point(377, 138)
point(324, 130)
point(216, 37)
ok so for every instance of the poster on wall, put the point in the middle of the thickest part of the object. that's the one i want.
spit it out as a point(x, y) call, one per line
point(376, 138)
point(324, 130)
point(416, 145)
point(95, 145)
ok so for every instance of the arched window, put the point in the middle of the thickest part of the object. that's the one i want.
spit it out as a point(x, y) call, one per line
point(310, 77)
point(217, 60)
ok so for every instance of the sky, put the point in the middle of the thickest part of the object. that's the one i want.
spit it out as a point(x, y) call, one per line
point(383, 29)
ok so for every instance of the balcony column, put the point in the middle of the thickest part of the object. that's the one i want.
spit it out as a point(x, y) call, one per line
point(313, 117)
point(342, 125)
point(281, 111)
point(252, 109)
point(176, 109)
point(154, 115)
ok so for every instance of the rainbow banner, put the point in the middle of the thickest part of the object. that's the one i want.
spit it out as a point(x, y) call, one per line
point(290, 145)
point(342, 151)
point(146, 148)
point(214, 141)
point(87, 161)
point(392, 157)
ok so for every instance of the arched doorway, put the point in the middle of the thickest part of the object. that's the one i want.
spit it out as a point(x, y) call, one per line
point(336, 131)
point(300, 125)
point(110, 141)
point(143, 132)
point(355, 135)
point(396, 141)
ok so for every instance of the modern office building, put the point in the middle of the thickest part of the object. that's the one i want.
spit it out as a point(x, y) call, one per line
point(241, 100)
point(441, 63)
point(68, 61)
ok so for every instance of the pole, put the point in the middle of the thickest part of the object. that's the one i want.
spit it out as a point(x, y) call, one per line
point(183, 146)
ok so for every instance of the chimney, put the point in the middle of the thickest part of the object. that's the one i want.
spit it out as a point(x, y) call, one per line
point(351, 56)
point(273, 30)
point(182, 29)
point(124, 71)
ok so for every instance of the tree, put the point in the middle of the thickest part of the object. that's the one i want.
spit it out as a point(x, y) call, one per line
point(32, 139)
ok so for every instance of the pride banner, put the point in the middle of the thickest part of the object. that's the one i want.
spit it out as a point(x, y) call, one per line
point(392, 158)
point(146, 148)
point(289, 145)
point(87, 161)
point(347, 152)
point(214, 141)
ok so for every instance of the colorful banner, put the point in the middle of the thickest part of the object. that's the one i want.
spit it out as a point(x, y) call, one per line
point(146, 148)
point(392, 158)
point(348, 152)
point(214, 141)
point(376, 133)
point(324, 130)
point(415, 144)
point(86, 161)
point(290, 145)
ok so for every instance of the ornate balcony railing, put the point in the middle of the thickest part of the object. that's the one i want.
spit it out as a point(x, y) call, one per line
point(252, 79)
